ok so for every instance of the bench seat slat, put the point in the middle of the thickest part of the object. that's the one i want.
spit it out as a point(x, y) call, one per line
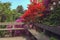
point(10, 23)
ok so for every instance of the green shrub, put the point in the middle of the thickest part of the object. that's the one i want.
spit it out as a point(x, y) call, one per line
point(53, 38)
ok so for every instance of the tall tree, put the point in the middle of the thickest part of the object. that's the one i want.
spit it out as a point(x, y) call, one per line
point(20, 9)
point(3, 10)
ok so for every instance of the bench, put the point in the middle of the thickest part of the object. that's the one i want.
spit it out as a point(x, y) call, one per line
point(12, 24)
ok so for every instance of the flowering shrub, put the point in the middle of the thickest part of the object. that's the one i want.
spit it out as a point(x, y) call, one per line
point(34, 10)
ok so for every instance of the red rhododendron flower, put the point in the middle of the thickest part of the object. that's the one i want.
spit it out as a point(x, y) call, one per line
point(33, 10)
point(27, 13)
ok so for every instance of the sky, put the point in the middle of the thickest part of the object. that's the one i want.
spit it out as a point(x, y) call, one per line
point(15, 3)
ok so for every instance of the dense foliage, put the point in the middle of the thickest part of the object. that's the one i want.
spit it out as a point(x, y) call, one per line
point(53, 18)
point(6, 13)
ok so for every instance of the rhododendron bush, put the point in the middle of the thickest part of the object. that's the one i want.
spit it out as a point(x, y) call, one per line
point(34, 9)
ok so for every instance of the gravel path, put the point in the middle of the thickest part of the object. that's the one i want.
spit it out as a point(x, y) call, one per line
point(13, 38)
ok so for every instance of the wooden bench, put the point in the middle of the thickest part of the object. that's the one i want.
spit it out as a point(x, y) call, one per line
point(12, 24)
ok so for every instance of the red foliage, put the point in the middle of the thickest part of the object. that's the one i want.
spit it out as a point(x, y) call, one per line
point(33, 10)
point(41, 15)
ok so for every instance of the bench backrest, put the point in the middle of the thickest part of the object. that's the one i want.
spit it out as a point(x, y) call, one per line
point(12, 24)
